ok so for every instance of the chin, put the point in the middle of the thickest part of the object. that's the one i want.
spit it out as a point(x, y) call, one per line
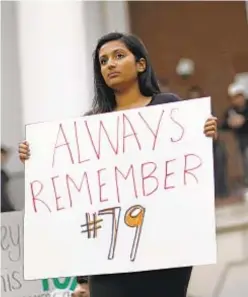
point(115, 84)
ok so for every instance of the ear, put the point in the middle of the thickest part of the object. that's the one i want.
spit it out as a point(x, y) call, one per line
point(141, 65)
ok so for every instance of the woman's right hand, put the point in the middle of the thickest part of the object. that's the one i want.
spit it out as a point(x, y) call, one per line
point(24, 151)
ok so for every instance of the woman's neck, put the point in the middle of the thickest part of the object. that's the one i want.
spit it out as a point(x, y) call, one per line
point(131, 98)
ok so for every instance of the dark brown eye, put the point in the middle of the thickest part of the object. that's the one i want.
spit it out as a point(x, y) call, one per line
point(120, 56)
point(103, 61)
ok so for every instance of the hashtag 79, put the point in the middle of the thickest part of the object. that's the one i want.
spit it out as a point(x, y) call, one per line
point(134, 218)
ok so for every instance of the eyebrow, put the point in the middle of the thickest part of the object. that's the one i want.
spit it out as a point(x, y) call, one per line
point(114, 51)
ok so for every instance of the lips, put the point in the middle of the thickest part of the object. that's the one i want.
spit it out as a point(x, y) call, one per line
point(113, 74)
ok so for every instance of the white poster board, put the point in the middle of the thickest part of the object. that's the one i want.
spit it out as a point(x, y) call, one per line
point(12, 281)
point(120, 192)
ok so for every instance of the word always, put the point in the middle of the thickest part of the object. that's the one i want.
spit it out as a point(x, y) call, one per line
point(127, 132)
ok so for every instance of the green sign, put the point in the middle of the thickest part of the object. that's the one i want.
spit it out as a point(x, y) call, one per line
point(68, 283)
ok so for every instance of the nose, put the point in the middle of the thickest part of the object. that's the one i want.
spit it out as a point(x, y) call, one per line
point(111, 64)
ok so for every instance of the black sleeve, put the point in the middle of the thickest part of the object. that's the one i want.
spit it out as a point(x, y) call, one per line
point(174, 98)
point(165, 98)
point(89, 113)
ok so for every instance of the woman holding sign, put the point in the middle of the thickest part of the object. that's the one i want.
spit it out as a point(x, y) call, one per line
point(124, 79)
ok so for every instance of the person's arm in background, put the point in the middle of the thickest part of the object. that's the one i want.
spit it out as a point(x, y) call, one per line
point(233, 120)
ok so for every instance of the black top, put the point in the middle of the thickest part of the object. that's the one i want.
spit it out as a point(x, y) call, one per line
point(157, 283)
point(164, 98)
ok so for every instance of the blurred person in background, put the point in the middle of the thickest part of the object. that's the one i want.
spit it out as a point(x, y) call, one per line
point(164, 85)
point(82, 288)
point(195, 92)
point(219, 153)
point(236, 120)
point(6, 204)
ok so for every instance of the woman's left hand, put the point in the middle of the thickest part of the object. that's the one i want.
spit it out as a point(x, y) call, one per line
point(210, 127)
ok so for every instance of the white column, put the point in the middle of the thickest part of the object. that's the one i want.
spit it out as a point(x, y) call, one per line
point(116, 16)
point(53, 63)
point(103, 17)
point(94, 18)
point(11, 115)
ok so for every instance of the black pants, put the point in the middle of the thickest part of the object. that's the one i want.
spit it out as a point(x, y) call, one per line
point(159, 283)
point(243, 145)
point(220, 170)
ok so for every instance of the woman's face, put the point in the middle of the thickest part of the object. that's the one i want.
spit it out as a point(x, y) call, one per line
point(118, 66)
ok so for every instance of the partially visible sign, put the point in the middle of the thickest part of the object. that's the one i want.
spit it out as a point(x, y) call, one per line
point(12, 281)
point(120, 192)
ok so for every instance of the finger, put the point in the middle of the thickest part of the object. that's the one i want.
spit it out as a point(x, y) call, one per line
point(210, 122)
point(25, 142)
point(211, 134)
point(23, 156)
point(210, 128)
point(23, 147)
point(24, 151)
point(213, 126)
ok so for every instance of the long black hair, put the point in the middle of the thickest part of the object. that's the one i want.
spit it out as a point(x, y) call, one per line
point(104, 99)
